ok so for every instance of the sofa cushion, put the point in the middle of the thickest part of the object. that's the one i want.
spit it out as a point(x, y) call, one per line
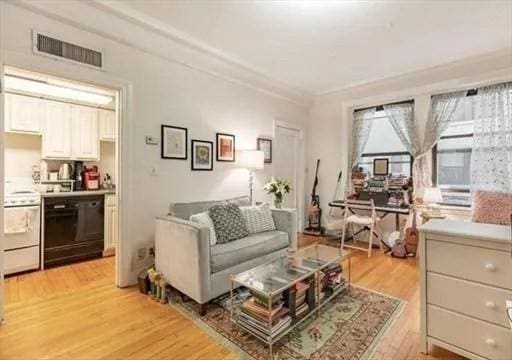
point(229, 222)
point(186, 210)
point(204, 220)
point(259, 218)
point(224, 256)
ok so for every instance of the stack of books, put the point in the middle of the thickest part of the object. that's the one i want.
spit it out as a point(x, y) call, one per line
point(321, 293)
point(256, 315)
point(301, 305)
point(334, 277)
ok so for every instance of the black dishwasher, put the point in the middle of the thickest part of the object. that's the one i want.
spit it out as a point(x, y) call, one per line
point(73, 229)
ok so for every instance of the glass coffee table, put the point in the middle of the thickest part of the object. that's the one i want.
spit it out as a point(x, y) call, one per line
point(287, 291)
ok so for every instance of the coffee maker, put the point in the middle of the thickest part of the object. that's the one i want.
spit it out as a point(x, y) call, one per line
point(78, 185)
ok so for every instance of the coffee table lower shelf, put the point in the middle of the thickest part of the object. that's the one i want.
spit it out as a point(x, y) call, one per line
point(271, 339)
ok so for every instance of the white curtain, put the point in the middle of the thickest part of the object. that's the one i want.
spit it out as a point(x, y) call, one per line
point(443, 109)
point(361, 128)
point(491, 158)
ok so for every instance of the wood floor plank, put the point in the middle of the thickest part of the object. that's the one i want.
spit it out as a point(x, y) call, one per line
point(75, 312)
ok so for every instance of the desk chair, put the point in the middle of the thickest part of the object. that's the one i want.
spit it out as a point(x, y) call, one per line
point(370, 222)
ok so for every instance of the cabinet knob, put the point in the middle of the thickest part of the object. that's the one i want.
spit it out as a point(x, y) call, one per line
point(490, 267)
point(490, 305)
point(490, 342)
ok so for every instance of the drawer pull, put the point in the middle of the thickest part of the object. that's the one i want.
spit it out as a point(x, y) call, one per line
point(490, 267)
point(490, 342)
point(490, 305)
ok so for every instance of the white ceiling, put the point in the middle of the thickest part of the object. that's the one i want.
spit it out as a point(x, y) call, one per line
point(318, 46)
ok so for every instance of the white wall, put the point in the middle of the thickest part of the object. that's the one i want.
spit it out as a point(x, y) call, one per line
point(164, 92)
point(329, 128)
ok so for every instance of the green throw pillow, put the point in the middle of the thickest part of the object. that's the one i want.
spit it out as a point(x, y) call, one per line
point(229, 223)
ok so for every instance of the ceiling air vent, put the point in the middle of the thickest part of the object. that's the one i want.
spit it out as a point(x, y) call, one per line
point(46, 45)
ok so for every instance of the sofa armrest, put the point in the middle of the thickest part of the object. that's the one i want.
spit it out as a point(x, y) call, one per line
point(182, 254)
point(286, 220)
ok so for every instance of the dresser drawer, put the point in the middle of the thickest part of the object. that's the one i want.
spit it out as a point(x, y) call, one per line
point(486, 266)
point(484, 339)
point(476, 300)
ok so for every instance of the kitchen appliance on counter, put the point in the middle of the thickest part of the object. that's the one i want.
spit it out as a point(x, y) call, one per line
point(91, 178)
point(78, 167)
point(73, 229)
point(65, 171)
point(22, 223)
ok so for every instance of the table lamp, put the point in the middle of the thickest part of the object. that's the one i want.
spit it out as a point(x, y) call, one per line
point(431, 197)
point(251, 160)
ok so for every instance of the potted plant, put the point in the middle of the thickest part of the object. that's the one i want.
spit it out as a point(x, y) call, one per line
point(278, 188)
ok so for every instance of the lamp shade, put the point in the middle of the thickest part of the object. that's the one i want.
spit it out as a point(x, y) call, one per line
point(250, 159)
point(432, 195)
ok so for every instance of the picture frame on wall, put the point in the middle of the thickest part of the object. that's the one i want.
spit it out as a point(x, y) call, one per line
point(174, 142)
point(202, 155)
point(225, 147)
point(265, 145)
point(380, 167)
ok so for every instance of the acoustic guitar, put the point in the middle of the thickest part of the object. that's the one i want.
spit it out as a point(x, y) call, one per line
point(412, 237)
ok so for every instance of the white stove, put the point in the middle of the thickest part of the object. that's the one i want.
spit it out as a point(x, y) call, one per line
point(22, 215)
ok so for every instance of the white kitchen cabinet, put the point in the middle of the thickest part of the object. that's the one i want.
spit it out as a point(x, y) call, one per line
point(84, 133)
point(24, 114)
point(57, 131)
point(108, 125)
point(110, 231)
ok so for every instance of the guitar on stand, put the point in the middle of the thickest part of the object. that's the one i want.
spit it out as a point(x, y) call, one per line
point(412, 237)
point(315, 212)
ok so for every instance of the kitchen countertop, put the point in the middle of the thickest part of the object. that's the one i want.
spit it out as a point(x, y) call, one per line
point(78, 193)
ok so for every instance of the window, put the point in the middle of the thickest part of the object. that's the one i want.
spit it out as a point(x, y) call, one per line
point(451, 157)
point(383, 142)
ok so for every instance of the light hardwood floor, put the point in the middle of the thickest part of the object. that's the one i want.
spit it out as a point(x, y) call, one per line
point(75, 312)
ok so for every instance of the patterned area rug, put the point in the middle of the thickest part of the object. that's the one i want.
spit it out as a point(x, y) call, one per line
point(349, 327)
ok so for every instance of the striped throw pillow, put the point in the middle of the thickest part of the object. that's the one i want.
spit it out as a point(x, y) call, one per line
point(259, 218)
point(204, 220)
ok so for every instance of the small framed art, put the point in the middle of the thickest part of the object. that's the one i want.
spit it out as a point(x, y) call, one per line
point(380, 167)
point(202, 155)
point(265, 145)
point(174, 142)
point(225, 147)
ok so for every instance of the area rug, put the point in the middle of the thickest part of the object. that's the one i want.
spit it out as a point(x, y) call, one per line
point(349, 327)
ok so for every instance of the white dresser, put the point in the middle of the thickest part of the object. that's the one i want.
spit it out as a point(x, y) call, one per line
point(465, 278)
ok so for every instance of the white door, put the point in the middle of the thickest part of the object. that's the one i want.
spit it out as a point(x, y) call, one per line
point(288, 159)
point(84, 128)
point(23, 114)
point(56, 133)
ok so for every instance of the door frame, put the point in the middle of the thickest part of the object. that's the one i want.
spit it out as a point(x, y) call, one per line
point(299, 192)
point(125, 126)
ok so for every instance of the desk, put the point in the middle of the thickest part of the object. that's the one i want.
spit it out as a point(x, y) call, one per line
point(385, 210)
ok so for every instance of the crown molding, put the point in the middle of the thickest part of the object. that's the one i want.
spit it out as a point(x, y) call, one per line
point(151, 36)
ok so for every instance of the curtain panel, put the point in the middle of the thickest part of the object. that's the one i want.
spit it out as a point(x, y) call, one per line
point(491, 158)
point(361, 128)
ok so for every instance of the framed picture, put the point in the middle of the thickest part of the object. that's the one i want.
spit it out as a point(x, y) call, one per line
point(225, 147)
point(174, 142)
point(380, 167)
point(265, 145)
point(202, 155)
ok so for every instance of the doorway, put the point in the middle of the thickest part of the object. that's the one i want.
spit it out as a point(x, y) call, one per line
point(289, 155)
point(76, 185)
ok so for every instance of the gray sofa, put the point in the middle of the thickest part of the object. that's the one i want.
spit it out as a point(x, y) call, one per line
point(184, 256)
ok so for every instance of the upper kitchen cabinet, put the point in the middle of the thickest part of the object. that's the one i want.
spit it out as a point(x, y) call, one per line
point(108, 125)
point(24, 114)
point(84, 133)
point(57, 131)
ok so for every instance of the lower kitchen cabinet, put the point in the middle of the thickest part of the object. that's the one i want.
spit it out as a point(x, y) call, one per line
point(111, 233)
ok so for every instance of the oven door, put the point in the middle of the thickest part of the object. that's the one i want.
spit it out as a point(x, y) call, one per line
point(24, 239)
